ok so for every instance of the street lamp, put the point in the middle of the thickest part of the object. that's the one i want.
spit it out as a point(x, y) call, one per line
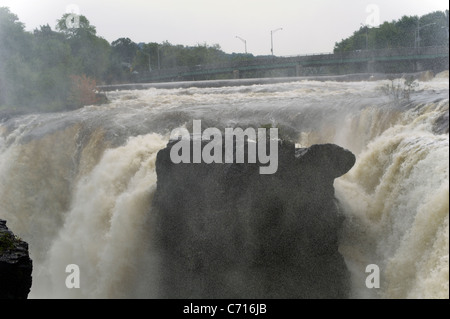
point(367, 34)
point(417, 42)
point(446, 28)
point(271, 38)
point(245, 43)
point(149, 64)
point(157, 51)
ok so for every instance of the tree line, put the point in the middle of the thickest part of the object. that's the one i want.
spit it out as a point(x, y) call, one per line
point(407, 32)
point(53, 70)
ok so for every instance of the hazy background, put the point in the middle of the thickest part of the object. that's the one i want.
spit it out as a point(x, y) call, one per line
point(308, 26)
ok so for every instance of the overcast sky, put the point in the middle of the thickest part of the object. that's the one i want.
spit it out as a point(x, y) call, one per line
point(309, 26)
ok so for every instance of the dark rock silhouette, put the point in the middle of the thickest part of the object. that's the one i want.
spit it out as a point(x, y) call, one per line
point(15, 265)
point(226, 231)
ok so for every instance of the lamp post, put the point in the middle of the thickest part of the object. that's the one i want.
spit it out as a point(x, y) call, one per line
point(149, 62)
point(271, 38)
point(417, 40)
point(367, 34)
point(446, 28)
point(245, 43)
point(157, 51)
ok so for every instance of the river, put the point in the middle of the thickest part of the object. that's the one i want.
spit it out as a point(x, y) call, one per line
point(77, 186)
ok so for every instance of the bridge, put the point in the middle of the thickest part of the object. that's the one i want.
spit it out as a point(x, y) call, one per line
point(361, 61)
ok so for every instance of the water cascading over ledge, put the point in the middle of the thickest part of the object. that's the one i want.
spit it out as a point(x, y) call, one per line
point(78, 186)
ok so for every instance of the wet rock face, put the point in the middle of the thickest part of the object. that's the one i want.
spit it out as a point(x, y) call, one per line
point(15, 265)
point(227, 231)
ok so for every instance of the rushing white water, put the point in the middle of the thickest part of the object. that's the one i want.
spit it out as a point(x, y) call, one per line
point(77, 186)
point(396, 200)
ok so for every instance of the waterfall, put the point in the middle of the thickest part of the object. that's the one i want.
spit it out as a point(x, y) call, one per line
point(78, 186)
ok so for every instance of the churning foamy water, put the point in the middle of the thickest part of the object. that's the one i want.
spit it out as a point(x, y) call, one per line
point(78, 186)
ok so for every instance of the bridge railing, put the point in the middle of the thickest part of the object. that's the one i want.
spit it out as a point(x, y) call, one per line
point(394, 52)
point(351, 56)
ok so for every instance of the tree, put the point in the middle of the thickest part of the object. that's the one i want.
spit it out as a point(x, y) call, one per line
point(406, 27)
point(38, 69)
point(53, 62)
point(124, 49)
point(73, 25)
point(91, 53)
point(15, 52)
point(432, 29)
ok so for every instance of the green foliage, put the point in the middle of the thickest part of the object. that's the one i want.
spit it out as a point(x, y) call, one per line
point(7, 242)
point(124, 49)
point(38, 67)
point(431, 29)
point(74, 26)
point(47, 70)
point(166, 55)
point(13, 49)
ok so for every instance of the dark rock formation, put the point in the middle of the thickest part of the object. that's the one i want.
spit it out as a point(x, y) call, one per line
point(226, 231)
point(15, 265)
